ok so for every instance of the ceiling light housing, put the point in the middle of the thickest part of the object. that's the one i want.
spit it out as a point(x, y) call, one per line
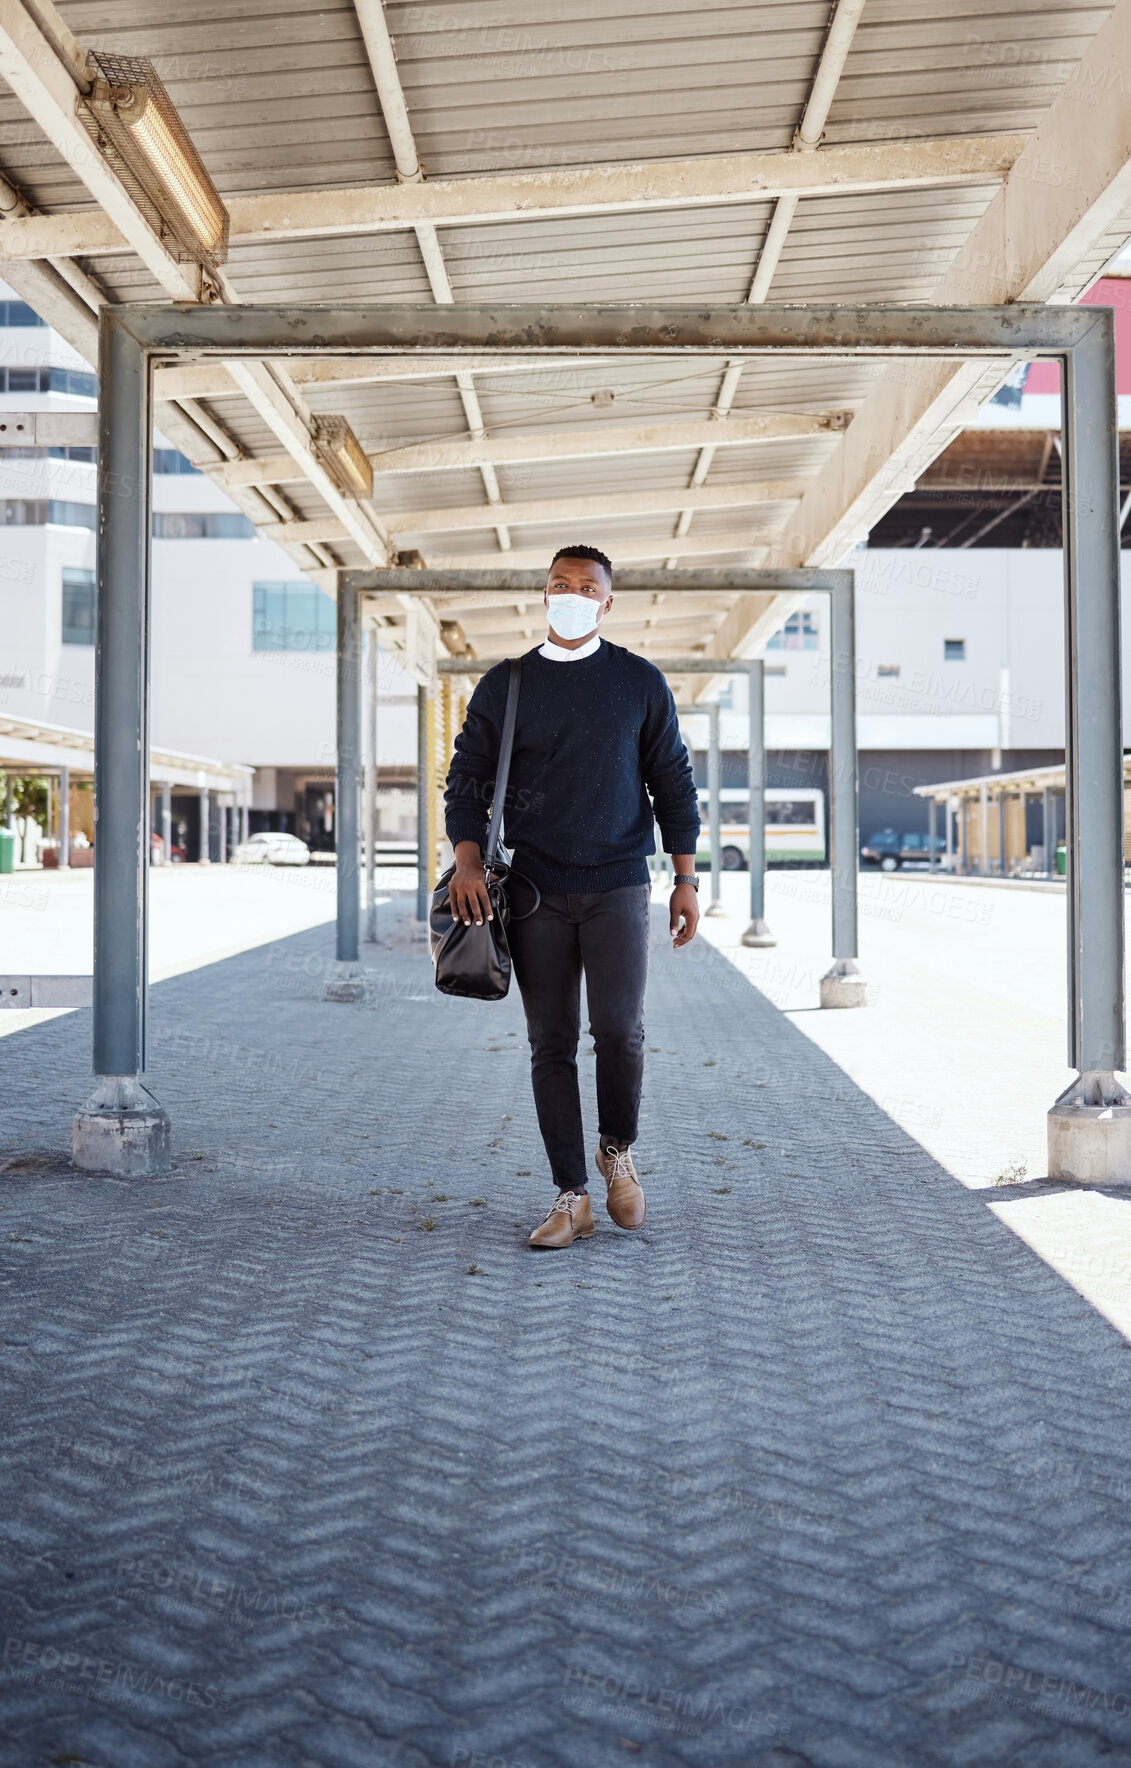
point(135, 125)
point(343, 456)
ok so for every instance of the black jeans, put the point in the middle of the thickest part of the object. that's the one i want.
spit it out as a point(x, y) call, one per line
point(604, 934)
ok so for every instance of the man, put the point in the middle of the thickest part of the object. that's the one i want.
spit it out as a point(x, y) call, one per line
point(598, 760)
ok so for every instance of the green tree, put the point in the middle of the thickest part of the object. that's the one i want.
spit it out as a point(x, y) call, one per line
point(29, 796)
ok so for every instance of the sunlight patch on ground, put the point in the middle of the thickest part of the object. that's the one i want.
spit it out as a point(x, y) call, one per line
point(962, 1043)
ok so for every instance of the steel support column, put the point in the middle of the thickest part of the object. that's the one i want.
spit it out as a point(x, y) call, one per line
point(1089, 1127)
point(1002, 834)
point(932, 835)
point(948, 813)
point(167, 819)
point(1048, 826)
point(714, 789)
point(371, 660)
point(845, 844)
point(344, 982)
point(660, 867)
point(843, 985)
point(1093, 737)
point(758, 932)
point(964, 832)
point(1024, 856)
point(204, 857)
point(122, 1130)
point(64, 816)
point(423, 808)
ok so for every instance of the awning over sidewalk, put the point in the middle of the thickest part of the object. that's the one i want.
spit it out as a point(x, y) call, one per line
point(1032, 779)
point(27, 744)
point(985, 821)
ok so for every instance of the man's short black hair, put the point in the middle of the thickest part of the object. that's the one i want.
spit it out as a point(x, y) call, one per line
point(592, 553)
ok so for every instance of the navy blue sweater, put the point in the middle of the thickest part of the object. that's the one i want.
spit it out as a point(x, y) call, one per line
point(594, 738)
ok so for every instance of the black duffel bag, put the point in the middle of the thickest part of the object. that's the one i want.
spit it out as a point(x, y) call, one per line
point(475, 961)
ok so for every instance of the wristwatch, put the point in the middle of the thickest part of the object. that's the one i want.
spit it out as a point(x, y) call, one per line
point(691, 878)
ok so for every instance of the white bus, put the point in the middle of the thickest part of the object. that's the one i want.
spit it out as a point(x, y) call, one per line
point(795, 828)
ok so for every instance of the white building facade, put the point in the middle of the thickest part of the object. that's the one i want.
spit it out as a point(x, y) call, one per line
point(959, 671)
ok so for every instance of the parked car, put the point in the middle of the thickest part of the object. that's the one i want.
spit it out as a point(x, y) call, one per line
point(889, 849)
point(271, 847)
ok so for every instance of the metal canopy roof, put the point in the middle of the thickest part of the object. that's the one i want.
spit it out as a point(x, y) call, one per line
point(30, 742)
point(618, 152)
point(1031, 779)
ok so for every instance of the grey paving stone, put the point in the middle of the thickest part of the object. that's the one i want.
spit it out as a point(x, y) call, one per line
point(310, 1462)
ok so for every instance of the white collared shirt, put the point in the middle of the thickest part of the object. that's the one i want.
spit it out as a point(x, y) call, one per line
point(562, 654)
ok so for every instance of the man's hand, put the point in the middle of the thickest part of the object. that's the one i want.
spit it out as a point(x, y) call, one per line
point(684, 912)
point(467, 892)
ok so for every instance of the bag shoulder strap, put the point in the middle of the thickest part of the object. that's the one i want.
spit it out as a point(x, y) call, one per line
point(502, 772)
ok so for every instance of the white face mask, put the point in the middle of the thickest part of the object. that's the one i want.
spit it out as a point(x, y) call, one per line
point(574, 616)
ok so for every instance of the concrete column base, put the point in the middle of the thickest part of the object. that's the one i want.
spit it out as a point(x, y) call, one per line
point(1089, 1132)
point(714, 908)
point(758, 933)
point(344, 983)
point(121, 1130)
point(843, 985)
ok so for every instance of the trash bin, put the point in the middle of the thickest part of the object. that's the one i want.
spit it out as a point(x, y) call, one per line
point(7, 850)
point(1061, 861)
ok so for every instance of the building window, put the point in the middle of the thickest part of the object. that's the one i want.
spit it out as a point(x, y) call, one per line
point(292, 617)
point(78, 607)
point(887, 668)
point(205, 525)
point(36, 512)
point(72, 515)
point(19, 313)
point(87, 454)
point(23, 512)
point(171, 460)
point(73, 381)
point(954, 650)
point(76, 382)
point(799, 633)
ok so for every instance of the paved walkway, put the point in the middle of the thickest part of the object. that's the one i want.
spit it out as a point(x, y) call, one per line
point(311, 1463)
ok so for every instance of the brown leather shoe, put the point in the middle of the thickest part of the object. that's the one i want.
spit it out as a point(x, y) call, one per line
point(626, 1199)
point(570, 1219)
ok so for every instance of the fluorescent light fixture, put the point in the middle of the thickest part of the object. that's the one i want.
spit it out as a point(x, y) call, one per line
point(343, 456)
point(133, 121)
